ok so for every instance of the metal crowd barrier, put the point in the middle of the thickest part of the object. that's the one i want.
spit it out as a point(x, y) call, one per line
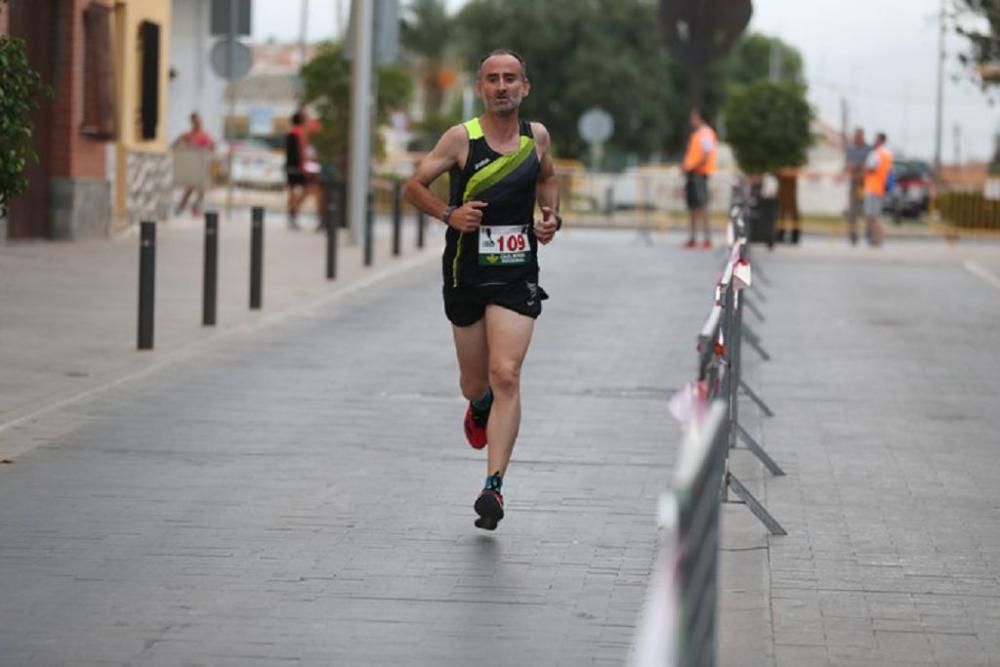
point(720, 369)
point(678, 623)
point(972, 210)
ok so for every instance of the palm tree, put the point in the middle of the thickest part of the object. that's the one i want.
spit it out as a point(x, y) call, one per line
point(424, 32)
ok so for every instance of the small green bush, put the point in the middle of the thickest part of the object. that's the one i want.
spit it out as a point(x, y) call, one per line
point(767, 124)
point(19, 87)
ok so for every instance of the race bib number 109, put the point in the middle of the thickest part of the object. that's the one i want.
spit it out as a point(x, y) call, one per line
point(506, 245)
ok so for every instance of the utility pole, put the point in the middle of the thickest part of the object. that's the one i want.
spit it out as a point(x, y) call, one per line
point(957, 140)
point(231, 94)
point(844, 122)
point(361, 115)
point(939, 124)
point(341, 21)
point(776, 61)
point(905, 138)
point(303, 29)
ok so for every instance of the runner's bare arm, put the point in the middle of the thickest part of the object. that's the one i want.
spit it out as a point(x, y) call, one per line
point(451, 150)
point(547, 193)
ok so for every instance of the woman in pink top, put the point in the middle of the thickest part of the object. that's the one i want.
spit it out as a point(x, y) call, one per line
point(196, 137)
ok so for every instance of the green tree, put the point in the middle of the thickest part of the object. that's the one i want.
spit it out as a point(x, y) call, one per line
point(425, 32)
point(327, 79)
point(768, 126)
point(750, 61)
point(581, 54)
point(984, 44)
point(19, 87)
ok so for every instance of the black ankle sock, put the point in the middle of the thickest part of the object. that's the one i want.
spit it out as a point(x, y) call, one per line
point(494, 482)
point(485, 402)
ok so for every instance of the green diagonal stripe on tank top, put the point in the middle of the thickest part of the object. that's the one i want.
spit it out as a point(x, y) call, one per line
point(496, 171)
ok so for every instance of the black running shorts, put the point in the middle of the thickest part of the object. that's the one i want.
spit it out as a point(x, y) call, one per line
point(465, 305)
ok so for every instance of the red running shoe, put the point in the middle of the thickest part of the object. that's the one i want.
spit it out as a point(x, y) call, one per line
point(489, 507)
point(706, 244)
point(691, 244)
point(475, 426)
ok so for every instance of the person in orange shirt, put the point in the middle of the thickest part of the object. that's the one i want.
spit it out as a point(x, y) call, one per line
point(699, 163)
point(877, 169)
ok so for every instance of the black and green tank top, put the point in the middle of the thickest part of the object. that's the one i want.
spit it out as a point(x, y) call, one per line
point(505, 249)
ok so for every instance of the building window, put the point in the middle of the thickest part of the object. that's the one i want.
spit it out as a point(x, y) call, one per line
point(99, 74)
point(149, 79)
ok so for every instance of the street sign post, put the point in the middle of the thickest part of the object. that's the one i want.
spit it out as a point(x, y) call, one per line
point(595, 127)
point(231, 59)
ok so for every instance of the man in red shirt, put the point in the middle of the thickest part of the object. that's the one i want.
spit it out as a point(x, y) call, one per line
point(196, 137)
point(300, 170)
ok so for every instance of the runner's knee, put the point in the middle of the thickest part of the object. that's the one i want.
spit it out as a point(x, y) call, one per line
point(473, 386)
point(505, 378)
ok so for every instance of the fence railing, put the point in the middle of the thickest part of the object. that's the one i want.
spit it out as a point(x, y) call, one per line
point(679, 620)
point(971, 211)
point(677, 627)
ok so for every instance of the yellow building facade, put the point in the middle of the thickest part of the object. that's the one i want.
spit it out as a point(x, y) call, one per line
point(142, 170)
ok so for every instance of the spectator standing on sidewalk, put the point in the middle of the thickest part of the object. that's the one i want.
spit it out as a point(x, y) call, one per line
point(878, 166)
point(196, 137)
point(500, 168)
point(699, 164)
point(788, 205)
point(300, 169)
point(855, 156)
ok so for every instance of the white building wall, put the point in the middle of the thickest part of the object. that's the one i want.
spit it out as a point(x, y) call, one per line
point(193, 86)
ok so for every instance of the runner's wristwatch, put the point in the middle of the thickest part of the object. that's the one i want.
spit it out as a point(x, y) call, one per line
point(447, 214)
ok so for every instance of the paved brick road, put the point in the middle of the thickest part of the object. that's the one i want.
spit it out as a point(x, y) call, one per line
point(302, 494)
point(299, 493)
point(885, 383)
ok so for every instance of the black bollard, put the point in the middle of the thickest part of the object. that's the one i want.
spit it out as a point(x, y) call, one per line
point(342, 204)
point(331, 236)
point(147, 280)
point(397, 216)
point(370, 228)
point(256, 257)
point(421, 221)
point(210, 280)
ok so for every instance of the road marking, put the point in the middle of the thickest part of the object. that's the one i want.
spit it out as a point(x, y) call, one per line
point(977, 269)
point(188, 350)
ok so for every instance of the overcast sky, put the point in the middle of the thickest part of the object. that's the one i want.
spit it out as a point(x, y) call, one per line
point(883, 62)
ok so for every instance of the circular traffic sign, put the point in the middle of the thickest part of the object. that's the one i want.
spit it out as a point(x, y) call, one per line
point(596, 125)
point(241, 60)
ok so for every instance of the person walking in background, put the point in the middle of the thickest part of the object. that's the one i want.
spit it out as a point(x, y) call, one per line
point(878, 166)
point(300, 170)
point(788, 205)
point(699, 163)
point(196, 137)
point(855, 156)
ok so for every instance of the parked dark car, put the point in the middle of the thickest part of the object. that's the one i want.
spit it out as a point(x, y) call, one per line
point(912, 189)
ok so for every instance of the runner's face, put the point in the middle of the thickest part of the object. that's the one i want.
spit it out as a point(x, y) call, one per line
point(502, 85)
